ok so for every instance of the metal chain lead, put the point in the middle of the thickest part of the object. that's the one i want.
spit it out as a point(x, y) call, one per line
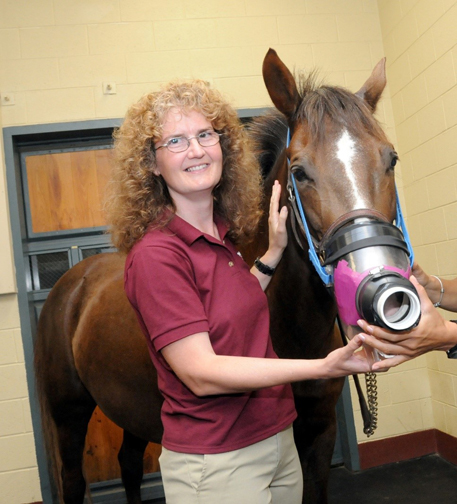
point(372, 400)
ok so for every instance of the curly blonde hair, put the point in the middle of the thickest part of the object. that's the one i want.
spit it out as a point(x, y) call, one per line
point(138, 198)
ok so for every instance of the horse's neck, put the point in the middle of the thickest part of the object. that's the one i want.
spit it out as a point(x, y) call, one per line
point(300, 306)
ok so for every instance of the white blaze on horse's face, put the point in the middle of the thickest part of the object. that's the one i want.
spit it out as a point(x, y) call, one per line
point(346, 153)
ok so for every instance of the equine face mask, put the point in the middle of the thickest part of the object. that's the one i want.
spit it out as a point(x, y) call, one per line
point(371, 270)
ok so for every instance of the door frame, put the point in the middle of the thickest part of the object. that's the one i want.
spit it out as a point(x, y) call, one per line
point(14, 138)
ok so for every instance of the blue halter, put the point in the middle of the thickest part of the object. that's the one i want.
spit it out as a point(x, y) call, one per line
point(321, 271)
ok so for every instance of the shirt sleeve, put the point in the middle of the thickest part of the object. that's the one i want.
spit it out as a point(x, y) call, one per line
point(160, 284)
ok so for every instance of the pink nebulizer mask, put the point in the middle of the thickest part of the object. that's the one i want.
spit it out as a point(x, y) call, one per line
point(371, 266)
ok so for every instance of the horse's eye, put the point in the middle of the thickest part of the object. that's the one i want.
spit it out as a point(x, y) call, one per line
point(393, 161)
point(299, 174)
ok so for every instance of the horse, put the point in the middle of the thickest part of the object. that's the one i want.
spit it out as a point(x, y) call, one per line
point(89, 348)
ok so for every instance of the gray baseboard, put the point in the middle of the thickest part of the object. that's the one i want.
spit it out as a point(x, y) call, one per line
point(112, 492)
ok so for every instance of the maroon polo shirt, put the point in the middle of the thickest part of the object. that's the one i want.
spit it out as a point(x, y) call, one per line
point(180, 282)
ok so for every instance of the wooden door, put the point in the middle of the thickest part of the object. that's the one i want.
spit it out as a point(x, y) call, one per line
point(66, 189)
point(103, 441)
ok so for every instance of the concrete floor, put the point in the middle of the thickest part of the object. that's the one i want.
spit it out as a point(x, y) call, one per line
point(426, 480)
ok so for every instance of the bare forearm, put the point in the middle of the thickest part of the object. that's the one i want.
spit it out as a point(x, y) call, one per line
point(227, 374)
point(219, 374)
point(439, 290)
point(449, 298)
point(271, 259)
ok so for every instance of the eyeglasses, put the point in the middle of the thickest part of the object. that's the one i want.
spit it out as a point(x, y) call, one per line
point(180, 143)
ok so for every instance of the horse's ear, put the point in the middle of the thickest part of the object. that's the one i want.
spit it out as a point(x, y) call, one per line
point(280, 84)
point(372, 90)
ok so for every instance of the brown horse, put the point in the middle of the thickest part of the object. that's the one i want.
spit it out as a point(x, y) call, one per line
point(90, 351)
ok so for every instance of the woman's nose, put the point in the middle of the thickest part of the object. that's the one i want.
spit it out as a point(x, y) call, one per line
point(195, 149)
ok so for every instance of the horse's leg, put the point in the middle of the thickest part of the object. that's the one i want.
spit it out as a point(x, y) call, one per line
point(71, 431)
point(315, 460)
point(315, 435)
point(131, 461)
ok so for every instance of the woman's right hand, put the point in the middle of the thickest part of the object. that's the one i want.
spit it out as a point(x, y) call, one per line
point(347, 360)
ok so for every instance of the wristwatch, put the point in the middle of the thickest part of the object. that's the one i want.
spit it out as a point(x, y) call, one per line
point(264, 268)
point(452, 352)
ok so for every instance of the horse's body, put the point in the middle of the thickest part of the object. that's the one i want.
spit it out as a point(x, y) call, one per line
point(90, 350)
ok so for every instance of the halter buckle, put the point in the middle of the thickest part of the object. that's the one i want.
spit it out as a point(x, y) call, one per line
point(290, 190)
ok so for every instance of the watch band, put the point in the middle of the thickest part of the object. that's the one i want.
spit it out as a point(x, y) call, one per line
point(264, 268)
point(452, 352)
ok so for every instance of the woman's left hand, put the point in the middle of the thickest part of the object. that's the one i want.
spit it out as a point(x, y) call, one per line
point(277, 235)
point(277, 228)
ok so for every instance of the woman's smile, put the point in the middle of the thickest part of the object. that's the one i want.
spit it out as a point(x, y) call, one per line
point(197, 168)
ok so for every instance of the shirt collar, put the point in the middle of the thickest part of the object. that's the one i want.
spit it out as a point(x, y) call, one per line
point(189, 234)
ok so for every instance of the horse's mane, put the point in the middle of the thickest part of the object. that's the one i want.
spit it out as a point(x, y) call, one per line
point(268, 134)
point(318, 104)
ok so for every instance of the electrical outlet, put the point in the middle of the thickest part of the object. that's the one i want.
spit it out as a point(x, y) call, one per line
point(109, 88)
point(7, 99)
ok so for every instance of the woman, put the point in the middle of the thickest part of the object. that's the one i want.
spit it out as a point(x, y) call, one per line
point(187, 192)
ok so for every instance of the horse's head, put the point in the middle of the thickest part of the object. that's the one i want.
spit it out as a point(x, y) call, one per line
point(341, 172)
point(339, 156)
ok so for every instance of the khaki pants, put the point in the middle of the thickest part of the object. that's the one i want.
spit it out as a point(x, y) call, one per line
point(267, 472)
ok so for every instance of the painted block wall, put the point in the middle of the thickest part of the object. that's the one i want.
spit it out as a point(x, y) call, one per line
point(19, 479)
point(420, 42)
point(57, 56)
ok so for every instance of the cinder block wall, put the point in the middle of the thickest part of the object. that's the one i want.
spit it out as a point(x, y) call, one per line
point(56, 55)
point(19, 479)
point(420, 43)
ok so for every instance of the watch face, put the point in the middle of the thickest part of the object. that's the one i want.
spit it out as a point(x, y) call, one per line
point(452, 352)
